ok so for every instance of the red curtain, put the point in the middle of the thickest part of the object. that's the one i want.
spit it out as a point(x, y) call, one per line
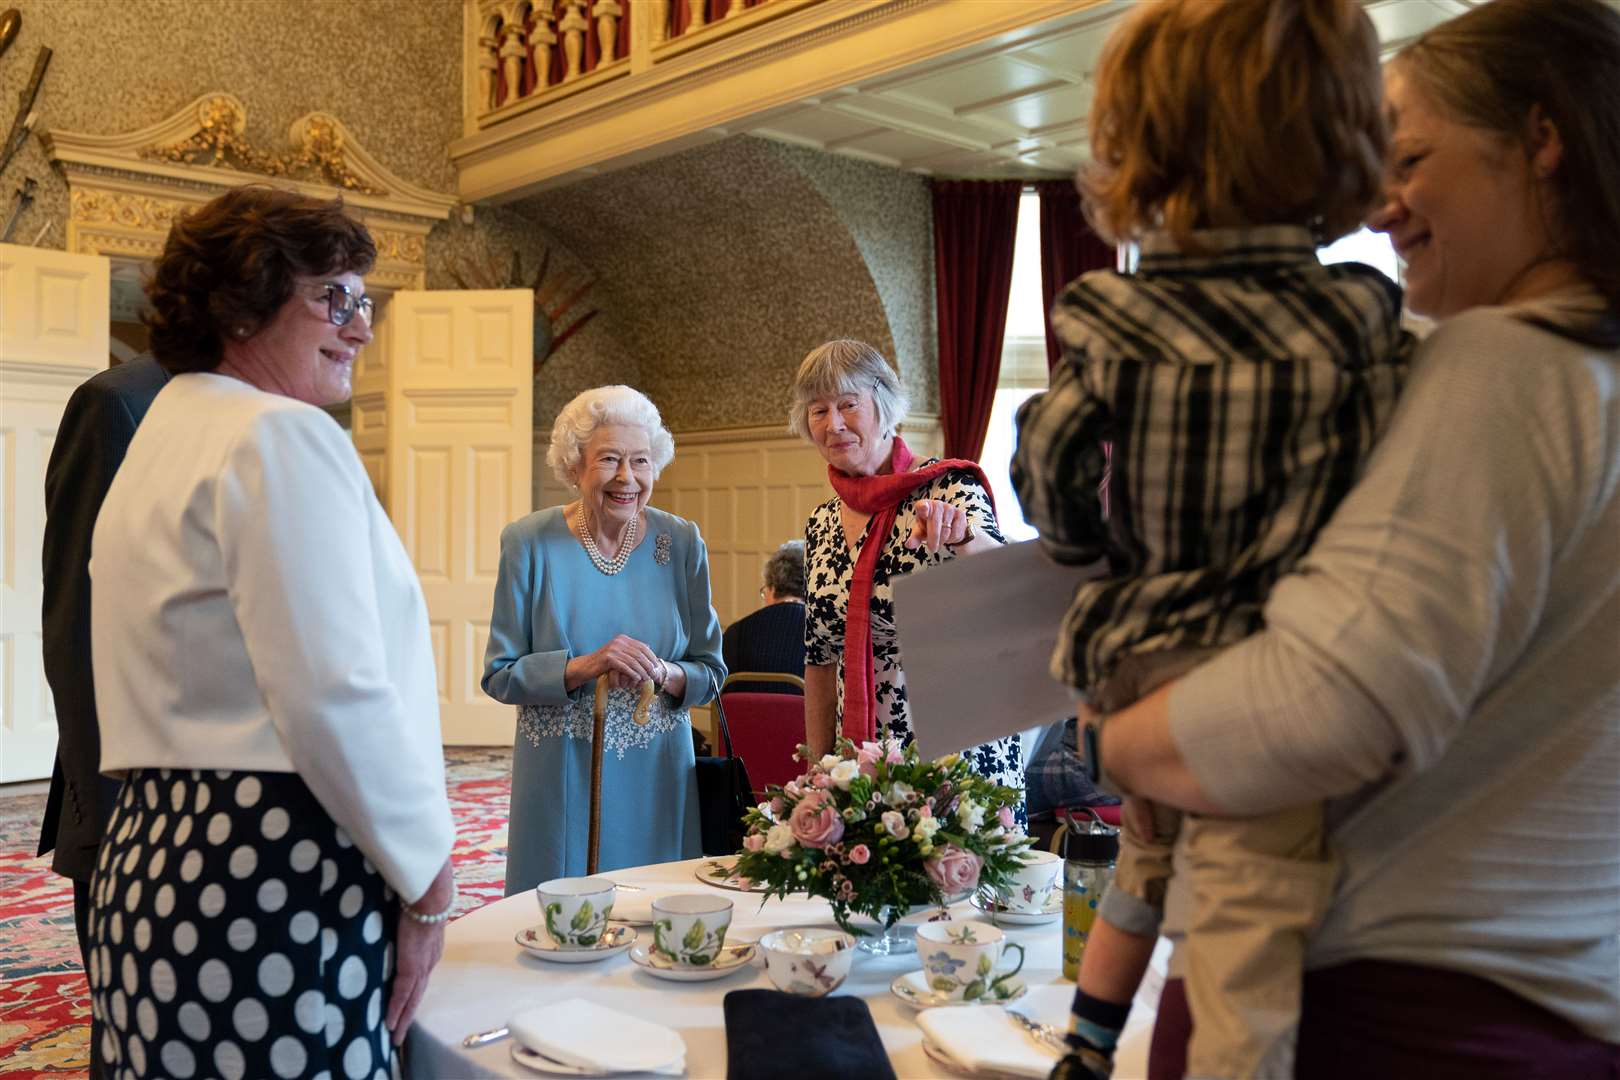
point(1068, 249)
point(975, 222)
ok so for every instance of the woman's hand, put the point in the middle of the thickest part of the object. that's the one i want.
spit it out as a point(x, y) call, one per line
point(938, 524)
point(624, 660)
point(417, 949)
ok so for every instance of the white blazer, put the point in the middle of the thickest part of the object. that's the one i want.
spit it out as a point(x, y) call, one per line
point(252, 608)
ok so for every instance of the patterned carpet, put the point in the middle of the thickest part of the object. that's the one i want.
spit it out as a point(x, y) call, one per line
point(44, 1006)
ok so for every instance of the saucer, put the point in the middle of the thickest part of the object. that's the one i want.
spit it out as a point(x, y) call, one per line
point(615, 939)
point(531, 1059)
point(722, 874)
point(1000, 914)
point(912, 988)
point(730, 959)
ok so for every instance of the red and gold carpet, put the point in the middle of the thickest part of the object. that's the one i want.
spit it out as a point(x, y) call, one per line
point(44, 1006)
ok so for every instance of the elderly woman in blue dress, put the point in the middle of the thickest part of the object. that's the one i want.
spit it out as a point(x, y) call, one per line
point(610, 588)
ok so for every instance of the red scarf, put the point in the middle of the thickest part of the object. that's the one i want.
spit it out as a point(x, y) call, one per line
point(881, 497)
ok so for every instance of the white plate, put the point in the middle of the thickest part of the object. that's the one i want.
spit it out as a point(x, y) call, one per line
point(730, 959)
point(634, 906)
point(999, 914)
point(615, 939)
point(540, 1063)
point(722, 874)
point(912, 988)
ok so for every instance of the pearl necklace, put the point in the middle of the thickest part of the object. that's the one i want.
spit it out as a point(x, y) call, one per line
point(627, 541)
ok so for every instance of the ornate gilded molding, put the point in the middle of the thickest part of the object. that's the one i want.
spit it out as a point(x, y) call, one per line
point(125, 190)
point(319, 154)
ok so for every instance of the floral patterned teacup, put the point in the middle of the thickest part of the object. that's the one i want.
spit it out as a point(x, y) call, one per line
point(1032, 884)
point(576, 909)
point(960, 959)
point(690, 928)
point(811, 961)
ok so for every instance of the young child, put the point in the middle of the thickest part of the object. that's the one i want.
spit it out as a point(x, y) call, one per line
point(1241, 384)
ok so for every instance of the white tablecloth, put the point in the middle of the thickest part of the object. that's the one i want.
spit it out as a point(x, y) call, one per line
point(485, 977)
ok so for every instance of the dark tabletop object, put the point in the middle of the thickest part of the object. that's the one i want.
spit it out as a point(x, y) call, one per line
point(771, 1035)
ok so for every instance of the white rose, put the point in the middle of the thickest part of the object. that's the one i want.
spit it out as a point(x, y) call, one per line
point(895, 823)
point(829, 760)
point(969, 814)
point(780, 838)
point(925, 829)
point(900, 792)
point(843, 772)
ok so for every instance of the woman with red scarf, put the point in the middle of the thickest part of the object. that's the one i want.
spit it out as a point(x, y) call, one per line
point(890, 515)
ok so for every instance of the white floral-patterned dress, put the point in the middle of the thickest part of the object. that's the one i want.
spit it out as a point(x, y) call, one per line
point(829, 568)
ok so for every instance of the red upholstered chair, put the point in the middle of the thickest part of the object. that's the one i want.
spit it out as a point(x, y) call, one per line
point(766, 729)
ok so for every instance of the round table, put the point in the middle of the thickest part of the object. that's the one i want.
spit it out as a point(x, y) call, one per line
point(485, 977)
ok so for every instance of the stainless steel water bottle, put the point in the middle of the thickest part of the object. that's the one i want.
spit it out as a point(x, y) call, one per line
point(1089, 850)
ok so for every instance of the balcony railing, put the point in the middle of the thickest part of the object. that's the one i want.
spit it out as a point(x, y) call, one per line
point(529, 52)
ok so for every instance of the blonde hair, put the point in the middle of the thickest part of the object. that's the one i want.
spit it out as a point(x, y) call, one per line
point(1239, 112)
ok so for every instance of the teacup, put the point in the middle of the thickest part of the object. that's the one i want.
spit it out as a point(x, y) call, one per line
point(690, 928)
point(576, 909)
point(1032, 884)
point(811, 961)
point(959, 958)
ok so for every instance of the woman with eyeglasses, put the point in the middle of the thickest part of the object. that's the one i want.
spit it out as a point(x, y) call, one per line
point(274, 881)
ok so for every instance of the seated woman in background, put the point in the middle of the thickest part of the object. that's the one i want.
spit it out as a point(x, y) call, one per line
point(890, 515)
point(1445, 662)
point(772, 638)
point(606, 587)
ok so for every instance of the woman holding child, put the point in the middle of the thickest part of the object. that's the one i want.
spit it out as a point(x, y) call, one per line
point(1444, 664)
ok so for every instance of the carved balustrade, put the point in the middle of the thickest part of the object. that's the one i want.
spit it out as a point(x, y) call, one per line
point(526, 51)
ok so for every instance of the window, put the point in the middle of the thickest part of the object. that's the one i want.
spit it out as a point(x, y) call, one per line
point(1023, 366)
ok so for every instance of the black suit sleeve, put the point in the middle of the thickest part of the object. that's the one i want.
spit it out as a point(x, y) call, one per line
point(94, 433)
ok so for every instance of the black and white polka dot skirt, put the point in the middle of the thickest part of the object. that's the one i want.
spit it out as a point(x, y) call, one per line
point(237, 932)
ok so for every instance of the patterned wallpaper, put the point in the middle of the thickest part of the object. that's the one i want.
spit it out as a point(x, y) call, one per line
point(723, 265)
point(389, 69)
point(716, 269)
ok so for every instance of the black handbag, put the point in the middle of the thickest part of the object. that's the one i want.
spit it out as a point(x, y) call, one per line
point(724, 795)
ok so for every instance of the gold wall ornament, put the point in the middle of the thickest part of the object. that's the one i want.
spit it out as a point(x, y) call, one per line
point(219, 142)
point(92, 207)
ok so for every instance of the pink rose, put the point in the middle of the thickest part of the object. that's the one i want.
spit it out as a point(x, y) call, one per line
point(821, 780)
point(793, 789)
point(859, 854)
point(894, 756)
point(753, 842)
point(1005, 816)
point(926, 810)
point(868, 756)
point(816, 822)
point(954, 870)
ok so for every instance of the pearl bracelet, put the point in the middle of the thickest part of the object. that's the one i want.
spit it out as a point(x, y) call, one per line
point(428, 920)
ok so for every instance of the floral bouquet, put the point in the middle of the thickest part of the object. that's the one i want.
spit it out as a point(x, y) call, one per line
point(874, 829)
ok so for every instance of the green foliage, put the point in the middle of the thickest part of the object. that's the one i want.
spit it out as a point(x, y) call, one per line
point(894, 876)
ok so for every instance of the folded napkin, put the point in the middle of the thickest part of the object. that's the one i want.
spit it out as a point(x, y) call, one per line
point(635, 905)
point(770, 1035)
point(582, 1033)
point(980, 1038)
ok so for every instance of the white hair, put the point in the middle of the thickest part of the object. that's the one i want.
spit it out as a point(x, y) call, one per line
point(600, 405)
point(846, 366)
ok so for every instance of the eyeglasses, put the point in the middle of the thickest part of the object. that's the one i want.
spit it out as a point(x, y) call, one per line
point(341, 304)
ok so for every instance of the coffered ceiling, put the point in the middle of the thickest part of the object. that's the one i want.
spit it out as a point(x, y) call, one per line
point(1015, 106)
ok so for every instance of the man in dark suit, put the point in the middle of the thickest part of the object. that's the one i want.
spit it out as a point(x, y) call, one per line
point(96, 428)
point(772, 638)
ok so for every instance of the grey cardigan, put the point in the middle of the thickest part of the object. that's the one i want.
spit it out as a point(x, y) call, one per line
point(1445, 667)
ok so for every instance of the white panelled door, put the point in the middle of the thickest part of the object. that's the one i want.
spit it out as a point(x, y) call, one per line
point(53, 336)
point(458, 368)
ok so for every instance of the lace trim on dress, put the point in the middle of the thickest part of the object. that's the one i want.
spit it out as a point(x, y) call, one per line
point(620, 730)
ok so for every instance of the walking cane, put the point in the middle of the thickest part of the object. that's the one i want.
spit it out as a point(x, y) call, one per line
point(593, 845)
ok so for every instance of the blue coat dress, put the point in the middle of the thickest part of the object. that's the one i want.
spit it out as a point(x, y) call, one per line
point(552, 603)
